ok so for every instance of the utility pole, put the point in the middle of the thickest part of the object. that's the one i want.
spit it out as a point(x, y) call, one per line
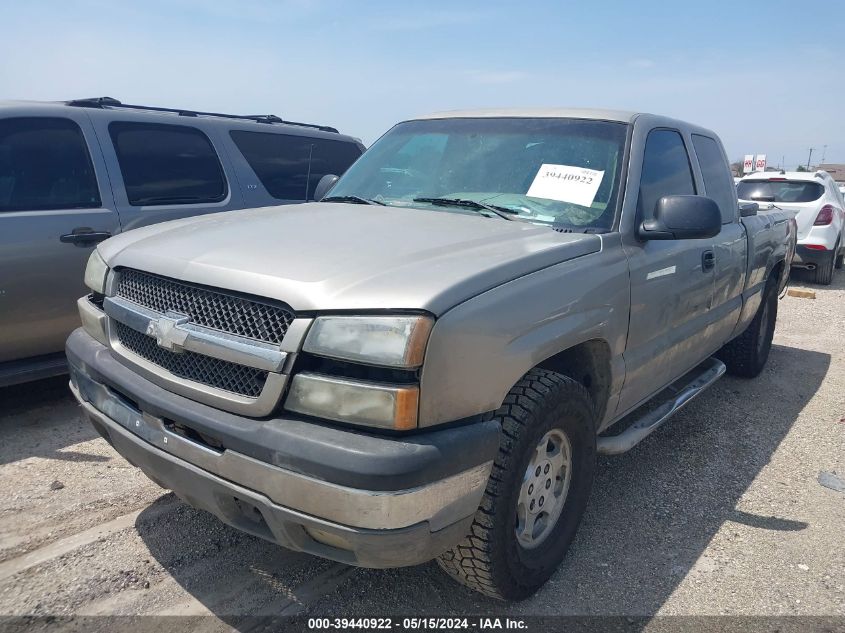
point(809, 158)
point(824, 153)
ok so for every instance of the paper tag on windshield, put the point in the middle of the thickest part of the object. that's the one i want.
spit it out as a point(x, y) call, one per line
point(565, 183)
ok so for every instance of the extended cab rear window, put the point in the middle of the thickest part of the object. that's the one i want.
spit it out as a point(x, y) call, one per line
point(45, 164)
point(780, 190)
point(167, 164)
point(717, 178)
point(290, 166)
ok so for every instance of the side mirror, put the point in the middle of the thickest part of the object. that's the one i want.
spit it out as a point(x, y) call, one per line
point(682, 218)
point(747, 209)
point(324, 186)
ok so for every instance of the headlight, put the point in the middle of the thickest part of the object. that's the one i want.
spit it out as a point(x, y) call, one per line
point(96, 272)
point(357, 402)
point(93, 320)
point(389, 341)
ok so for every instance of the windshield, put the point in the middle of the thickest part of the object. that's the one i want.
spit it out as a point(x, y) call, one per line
point(779, 190)
point(561, 172)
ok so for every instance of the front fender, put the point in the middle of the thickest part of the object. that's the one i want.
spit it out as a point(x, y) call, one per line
point(479, 349)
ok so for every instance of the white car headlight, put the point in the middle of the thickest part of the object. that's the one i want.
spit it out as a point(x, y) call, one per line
point(388, 341)
point(96, 272)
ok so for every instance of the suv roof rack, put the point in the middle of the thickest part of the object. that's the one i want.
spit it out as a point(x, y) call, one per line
point(109, 102)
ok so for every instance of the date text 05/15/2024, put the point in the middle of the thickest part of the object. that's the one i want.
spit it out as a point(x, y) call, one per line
point(413, 624)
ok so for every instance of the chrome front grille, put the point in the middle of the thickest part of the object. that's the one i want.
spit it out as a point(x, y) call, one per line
point(209, 308)
point(214, 372)
point(217, 347)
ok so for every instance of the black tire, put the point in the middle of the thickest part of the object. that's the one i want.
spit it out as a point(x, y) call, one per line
point(840, 260)
point(491, 559)
point(747, 354)
point(824, 274)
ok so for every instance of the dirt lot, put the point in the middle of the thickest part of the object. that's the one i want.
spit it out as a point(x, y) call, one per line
point(719, 512)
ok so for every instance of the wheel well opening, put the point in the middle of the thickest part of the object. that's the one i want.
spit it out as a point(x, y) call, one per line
point(589, 364)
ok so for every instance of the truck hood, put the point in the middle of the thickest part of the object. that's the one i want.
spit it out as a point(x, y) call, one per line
point(335, 256)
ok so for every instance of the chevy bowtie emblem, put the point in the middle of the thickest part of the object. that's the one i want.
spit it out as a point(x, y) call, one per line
point(167, 332)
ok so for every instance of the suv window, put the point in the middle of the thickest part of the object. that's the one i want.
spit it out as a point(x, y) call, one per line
point(45, 164)
point(780, 190)
point(330, 157)
point(718, 183)
point(290, 166)
point(666, 170)
point(167, 164)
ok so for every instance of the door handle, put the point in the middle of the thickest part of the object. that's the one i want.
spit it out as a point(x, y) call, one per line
point(708, 261)
point(84, 237)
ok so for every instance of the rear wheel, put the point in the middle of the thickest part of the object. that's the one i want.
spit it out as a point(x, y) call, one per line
point(747, 354)
point(840, 258)
point(824, 274)
point(537, 490)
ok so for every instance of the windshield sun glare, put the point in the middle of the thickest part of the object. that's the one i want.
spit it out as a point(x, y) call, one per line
point(562, 172)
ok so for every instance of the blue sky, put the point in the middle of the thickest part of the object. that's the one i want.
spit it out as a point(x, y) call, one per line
point(767, 77)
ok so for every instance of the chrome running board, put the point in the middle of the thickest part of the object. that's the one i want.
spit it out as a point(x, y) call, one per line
point(679, 393)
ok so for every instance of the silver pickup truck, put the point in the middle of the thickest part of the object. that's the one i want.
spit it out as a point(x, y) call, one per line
point(425, 363)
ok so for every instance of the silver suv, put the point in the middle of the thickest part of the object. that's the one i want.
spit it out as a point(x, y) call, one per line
point(77, 172)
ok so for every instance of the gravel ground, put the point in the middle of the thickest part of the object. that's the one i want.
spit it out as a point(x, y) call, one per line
point(719, 512)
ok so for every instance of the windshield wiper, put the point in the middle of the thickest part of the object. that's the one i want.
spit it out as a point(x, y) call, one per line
point(770, 200)
point(502, 212)
point(353, 200)
point(574, 228)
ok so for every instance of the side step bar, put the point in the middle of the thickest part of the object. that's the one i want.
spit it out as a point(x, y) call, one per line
point(679, 394)
point(19, 371)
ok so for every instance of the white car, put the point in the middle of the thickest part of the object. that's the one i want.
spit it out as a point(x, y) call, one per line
point(819, 208)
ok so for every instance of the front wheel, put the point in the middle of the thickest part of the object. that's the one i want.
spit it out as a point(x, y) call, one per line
point(537, 491)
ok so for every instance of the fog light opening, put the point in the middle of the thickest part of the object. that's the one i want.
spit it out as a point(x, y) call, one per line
point(327, 538)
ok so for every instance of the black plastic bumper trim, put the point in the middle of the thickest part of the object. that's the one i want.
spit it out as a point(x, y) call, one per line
point(338, 455)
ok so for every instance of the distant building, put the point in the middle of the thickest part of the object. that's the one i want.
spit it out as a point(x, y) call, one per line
point(837, 170)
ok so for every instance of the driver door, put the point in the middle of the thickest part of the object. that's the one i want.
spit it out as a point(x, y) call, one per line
point(672, 285)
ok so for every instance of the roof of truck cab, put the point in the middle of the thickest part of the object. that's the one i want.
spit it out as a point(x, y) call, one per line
point(598, 114)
